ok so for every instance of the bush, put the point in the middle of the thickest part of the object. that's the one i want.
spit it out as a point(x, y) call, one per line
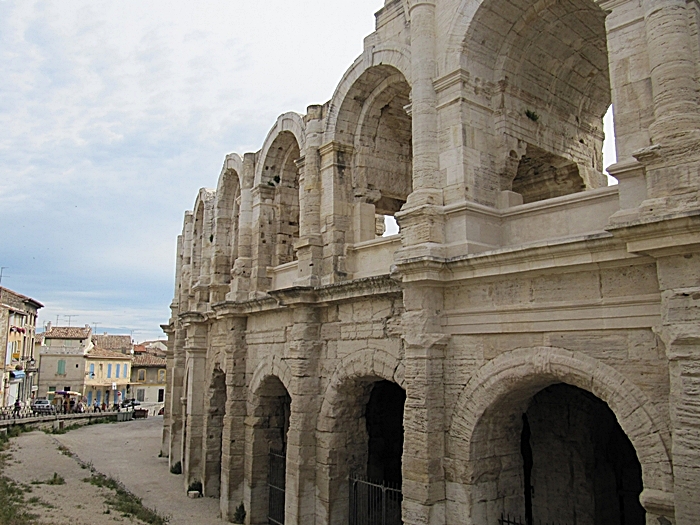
point(239, 515)
point(196, 486)
point(176, 468)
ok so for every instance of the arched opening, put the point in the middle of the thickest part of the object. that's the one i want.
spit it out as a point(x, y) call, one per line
point(214, 431)
point(280, 171)
point(366, 444)
point(559, 456)
point(267, 427)
point(225, 243)
point(374, 119)
point(545, 72)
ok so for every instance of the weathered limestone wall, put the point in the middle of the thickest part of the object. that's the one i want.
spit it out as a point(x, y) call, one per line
point(531, 316)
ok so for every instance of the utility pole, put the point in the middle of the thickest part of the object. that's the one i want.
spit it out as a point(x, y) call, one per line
point(2, 268)
point(69, 317)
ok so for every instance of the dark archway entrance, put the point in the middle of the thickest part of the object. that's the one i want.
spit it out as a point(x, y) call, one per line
point(578, 464)
point(214, 431)
point(375, 495)
point(267, 427)
point(558, 456)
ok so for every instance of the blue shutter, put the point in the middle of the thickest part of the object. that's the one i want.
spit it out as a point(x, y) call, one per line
point(109, 370)
point(119, 367)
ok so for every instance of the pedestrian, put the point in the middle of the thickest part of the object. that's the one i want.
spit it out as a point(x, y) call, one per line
point(104, 406)
point(18, 407)
point(96, 406)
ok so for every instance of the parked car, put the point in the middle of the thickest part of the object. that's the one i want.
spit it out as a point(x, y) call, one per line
point(43, 406)
point(130, 403)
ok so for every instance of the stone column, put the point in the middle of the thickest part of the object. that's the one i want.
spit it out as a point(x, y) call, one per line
point(196, 356)
point(169, 330)
point(233, 439)
point(303, 359)
point(263, 241)
point(679, 280)
point(336, 210)
point(176, 378)
point(240, 274)
point(421, 218)
point(424, 446)
point(309, 247)
point(673, 69)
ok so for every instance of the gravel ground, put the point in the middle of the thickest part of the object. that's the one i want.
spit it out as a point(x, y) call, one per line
point(126, 451)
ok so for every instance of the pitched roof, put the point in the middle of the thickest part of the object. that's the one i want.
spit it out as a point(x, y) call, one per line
point(68, 332)
point(21, 297)
point(147, 360)
point(101, 353)
point(121, 343)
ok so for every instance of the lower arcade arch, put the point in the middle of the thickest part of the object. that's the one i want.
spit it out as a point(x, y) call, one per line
point(549, 435)
point(361, 449)
point(216, 410)
point(267, 426)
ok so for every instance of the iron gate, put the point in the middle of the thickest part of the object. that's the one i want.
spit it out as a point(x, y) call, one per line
point(507, 519)
point(276, 481)
point(374, 503)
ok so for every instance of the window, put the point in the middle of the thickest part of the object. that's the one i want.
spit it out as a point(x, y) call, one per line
point(92, 370)
point(141, 394)
point(119, 368)
point(142, 375)
point(109, 370)
point(61, 367)
point(161, 395)
point(126, 370)
point(161, 376)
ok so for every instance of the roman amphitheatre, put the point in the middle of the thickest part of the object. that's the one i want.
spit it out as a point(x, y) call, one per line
point(525, 349)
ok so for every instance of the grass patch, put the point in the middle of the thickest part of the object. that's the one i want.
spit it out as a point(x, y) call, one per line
point(55, 480)
point(13, 509)
point(124, 502)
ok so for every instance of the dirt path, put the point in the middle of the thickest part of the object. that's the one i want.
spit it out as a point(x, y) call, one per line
point(127, 452)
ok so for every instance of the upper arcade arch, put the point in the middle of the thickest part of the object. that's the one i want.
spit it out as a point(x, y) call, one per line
point(519, 374)
point(397, 57)
point(288, 123)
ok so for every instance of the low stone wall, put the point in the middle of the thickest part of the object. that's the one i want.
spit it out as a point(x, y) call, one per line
point(60, 421)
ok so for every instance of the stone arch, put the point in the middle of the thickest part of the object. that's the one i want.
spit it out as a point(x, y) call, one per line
point(290, 122)
point(542, 68)
point(226, 225)
point(267, 423)
point(340, 428)
point(202, 227)
point(270, 365)
point(519, 374)
point(398, 57)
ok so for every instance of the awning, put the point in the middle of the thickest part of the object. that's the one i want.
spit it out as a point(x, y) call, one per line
point(17, 374)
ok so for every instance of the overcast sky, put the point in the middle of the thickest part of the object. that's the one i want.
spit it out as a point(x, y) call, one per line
point(114, 113)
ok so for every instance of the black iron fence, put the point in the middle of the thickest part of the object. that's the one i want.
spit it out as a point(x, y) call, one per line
point(506, 519)
point(373, 503)
point(276, 486)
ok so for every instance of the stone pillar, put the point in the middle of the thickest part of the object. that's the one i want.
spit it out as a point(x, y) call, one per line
point(421, 218)
point(679, 280)
point(309, 247)
point(240, 273)
point(167, 402)
point(233, 439)
point(176, 379)
point(424, 413)
point(673, 69)
point(303, 359)
point(263, 241)
point(196, 356)
point(336, 210)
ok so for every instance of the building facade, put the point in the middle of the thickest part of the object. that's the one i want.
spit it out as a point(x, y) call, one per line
point(148, 379)
point(527, 345)
point(18, 314)
point(62, 359)
point(107, 376)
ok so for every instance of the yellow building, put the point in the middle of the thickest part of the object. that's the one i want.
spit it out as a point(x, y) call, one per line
point(106, 376)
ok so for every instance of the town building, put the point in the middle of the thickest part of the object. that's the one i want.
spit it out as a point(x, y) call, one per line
point(527, 345)
point(114, 343)
point(18, 314)
point(107, 376)
point(148, 379)
point(62, 359)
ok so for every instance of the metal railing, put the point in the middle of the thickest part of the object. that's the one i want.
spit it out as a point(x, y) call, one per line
point(506, 519)
point(373, 503)
point(276, 487)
